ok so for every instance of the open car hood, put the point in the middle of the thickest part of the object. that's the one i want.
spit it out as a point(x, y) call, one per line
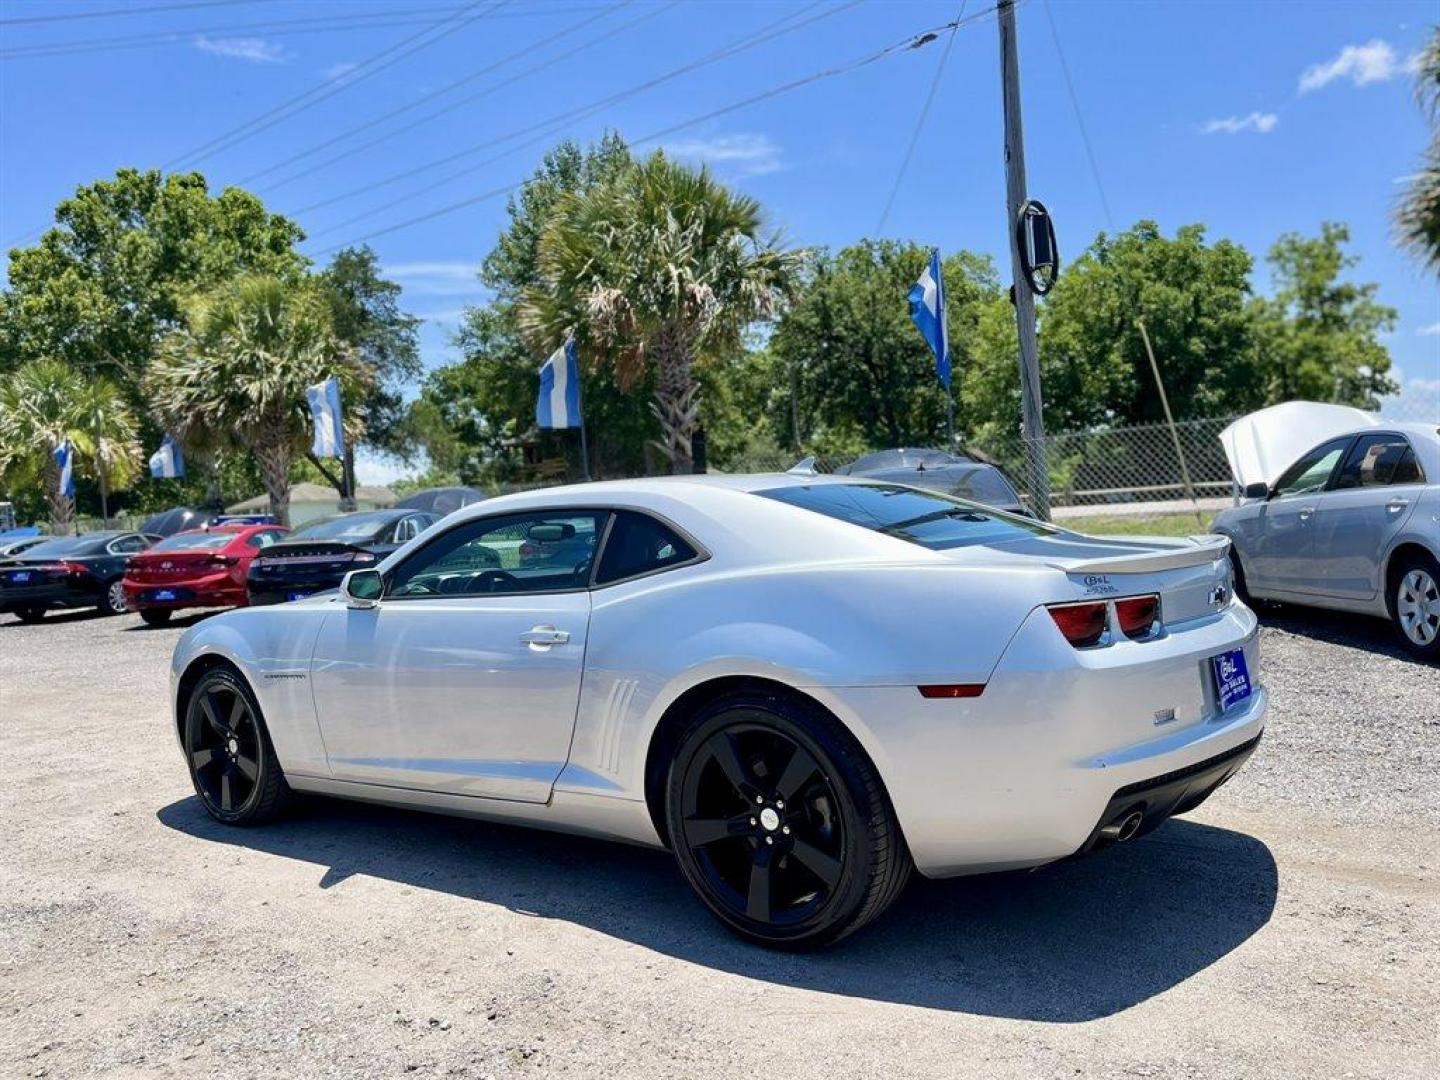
point(1264, 444)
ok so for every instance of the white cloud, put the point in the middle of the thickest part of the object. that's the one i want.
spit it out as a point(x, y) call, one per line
point(1375, 61)
point(252, 49)
point(1258, 122)
point(338, 72)
point(438, 278)
point(746, 154)
point(1433, 330)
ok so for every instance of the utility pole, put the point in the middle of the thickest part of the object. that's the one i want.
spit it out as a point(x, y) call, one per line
point(1033, 425)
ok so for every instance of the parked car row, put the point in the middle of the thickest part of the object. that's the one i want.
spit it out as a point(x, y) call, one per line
point(230, 564)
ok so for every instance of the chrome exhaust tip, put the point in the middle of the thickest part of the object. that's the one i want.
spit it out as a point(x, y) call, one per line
point(1122, 828)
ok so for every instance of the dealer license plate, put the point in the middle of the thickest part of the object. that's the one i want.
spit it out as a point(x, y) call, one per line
point(297, 595)
point(1232, 678)
point(20, 578)
point(163, 594)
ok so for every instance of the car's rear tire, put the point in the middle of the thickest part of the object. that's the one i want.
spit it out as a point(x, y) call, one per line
point(232, 762)
point(780, 823)
point(112, 600)
point(30, 614)
point(156, 616)
point(1415, 605)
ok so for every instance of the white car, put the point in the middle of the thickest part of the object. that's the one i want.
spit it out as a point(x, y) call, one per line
point(802, 685)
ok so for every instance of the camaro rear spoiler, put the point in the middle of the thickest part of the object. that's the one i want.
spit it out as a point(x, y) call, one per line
point(1174, 555)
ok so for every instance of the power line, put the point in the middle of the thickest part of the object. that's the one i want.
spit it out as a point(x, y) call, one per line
point(71, 16)
point(367, 68)
point(908, 44)
point(518, 53)
point(920, 123)
point(374, 20)
point(771, 30)
point(1079, 119)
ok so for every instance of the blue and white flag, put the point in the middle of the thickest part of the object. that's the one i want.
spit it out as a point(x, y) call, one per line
point(65, 458)
point(167, 463)
point(324, 399)
point(927, 312)
point(559, 402)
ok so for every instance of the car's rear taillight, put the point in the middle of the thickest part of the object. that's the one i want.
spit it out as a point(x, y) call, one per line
point(1083, 624)
point(1137, 614)
point(74, 569)
point(223, 560)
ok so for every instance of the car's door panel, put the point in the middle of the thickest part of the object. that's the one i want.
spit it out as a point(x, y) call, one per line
point(1281, 538)
point(444, 693)
point(1357, 519)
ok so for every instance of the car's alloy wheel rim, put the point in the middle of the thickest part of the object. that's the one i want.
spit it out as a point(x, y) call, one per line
point(1417, 603)
point(762, 822)
point(115, 596)
point(224, 747)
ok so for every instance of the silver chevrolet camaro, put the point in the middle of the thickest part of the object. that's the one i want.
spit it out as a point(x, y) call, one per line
point(803, 686)
point(1354, 524)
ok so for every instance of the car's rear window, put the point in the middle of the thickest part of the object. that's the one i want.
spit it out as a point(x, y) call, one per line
point(926, 518)
point(344, 527)
point(195, 542)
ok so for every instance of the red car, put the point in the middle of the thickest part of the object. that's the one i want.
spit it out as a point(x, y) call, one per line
point(197, 568)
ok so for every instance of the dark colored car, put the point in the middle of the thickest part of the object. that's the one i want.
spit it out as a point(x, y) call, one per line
point(441, 501)
point(201, 568)
point(176, 519)
point(70, 572)
point(950, 474)
point(314, 558)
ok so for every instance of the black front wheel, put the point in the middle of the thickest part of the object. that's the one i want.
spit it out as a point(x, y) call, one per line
point(780, 823)
point(232, 763)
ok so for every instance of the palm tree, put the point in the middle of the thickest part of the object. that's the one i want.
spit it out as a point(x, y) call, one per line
point(236, 374)
point(1418, 215)
point(658, 266)
point(43, 404)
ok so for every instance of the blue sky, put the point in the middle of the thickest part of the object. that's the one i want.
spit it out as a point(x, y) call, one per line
point(1255, 118)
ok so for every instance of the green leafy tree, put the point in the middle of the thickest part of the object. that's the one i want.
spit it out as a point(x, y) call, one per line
point(854, 372)
point(1192, 296)
point(470, 416)
point(236, 373)
point(1318, 335)
point(365, 311)
point(650, 271)
point(101, 287)
point(46, 402)
point(1418, 215)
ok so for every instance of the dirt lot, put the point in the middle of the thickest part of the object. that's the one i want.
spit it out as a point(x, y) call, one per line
point(1290, 927)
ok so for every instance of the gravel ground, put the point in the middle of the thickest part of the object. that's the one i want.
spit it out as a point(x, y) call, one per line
point(1289, 928)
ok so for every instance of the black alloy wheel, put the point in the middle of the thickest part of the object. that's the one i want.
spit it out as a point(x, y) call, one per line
point(780, 824)
point(232, 764)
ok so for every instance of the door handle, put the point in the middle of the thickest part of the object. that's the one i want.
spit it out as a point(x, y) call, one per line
point(1306, 512)
point(1396, 505)
point(542, 637)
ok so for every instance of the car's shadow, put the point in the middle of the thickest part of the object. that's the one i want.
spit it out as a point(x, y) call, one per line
point(1335, 627)
point(179, 622)
point(1065, 943)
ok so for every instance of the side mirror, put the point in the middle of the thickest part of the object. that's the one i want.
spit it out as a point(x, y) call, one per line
point(363, 589)
point(1257, 491)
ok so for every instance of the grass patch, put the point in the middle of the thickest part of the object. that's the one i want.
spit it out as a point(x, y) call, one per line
point(1139, 525)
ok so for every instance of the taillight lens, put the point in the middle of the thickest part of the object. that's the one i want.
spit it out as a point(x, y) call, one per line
point(1082, 624)
point(223, 560)
point(1137, 614)
point(75, 569)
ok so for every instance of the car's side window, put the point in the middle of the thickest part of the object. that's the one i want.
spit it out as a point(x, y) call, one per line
point(1312, 471)
point(404, 531)
point(535, 551)
point(126, 544)
point(1376, 461)
point(638, 544)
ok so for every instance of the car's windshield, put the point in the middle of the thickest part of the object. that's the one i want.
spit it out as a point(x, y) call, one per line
point(195, 542)
point(64, 545)
point(344, 527)
point(926, 518)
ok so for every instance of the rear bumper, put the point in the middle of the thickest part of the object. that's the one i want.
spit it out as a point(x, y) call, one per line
point(218, 593)
point(282, 591)
point(1029, 771)
point(49, 596)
